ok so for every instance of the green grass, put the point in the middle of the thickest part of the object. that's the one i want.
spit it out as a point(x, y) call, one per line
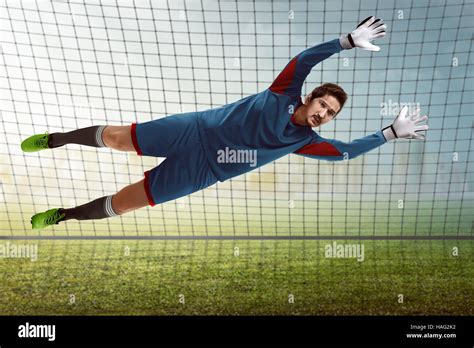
point(149, 281)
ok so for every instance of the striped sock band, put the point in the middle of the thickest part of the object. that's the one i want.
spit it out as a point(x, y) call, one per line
point(109, 210)
point(98, 136)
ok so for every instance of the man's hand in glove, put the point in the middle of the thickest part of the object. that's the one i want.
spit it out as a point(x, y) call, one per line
point(369, 29)
point(406, 125)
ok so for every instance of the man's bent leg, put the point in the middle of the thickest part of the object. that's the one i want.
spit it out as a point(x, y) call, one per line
point(114, 137)
point(128, 199)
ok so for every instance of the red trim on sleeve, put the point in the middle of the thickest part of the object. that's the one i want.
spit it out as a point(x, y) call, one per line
point(147, 189)
point(285, 78)
point(133, 131)
point(320, 149)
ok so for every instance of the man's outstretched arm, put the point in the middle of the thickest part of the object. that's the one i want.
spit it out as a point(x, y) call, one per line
point(290, 80)
point(406, 126)
point(336, 150)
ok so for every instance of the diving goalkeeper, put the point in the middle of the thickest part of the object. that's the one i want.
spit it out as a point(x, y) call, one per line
point(204, 147)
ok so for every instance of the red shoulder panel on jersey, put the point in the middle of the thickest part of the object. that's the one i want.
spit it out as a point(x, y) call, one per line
point(285, 78)
point(320, 149)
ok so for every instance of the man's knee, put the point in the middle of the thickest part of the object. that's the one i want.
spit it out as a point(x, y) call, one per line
point(118, 206)
point(118, 137)
point(130, 198)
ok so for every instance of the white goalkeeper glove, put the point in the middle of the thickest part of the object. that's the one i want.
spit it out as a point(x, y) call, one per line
point(406, 125)
point(369, 29)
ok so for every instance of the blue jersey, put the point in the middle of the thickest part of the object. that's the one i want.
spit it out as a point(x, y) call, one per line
point(258, 129)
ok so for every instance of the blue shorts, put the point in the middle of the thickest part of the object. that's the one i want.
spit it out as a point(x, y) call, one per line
point(185, 169)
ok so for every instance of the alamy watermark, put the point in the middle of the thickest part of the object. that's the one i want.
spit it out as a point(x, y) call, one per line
point(229, 155)
point(37, 331)
point(22, 251)
point(344, 251)
point(392, 108)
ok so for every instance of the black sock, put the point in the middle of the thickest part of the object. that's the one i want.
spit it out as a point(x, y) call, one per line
point(96, 209)
point(90, 136)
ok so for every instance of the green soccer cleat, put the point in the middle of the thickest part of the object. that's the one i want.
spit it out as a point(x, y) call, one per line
point(35, 143)
point(47, 218)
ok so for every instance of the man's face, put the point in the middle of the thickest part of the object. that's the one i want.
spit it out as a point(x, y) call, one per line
point(321, 110)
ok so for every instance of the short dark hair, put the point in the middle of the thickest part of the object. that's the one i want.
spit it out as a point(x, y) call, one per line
point(328, 89)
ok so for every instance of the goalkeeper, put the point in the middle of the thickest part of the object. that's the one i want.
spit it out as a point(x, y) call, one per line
point(204, 147)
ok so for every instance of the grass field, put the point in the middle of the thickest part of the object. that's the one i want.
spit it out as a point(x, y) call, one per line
point(209, 277)
point(149, 277)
